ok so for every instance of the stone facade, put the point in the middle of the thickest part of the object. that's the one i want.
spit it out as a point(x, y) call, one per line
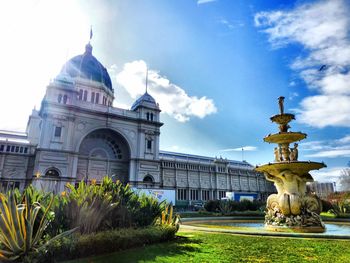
point(78, 135)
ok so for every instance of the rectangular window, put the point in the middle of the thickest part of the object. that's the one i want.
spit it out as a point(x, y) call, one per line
point(222, 194)
point(58, 131)
point(181, 194)
point(149, 144)
point(97, 99)
point(17, 149)
point(85, 95)
point(80, 96)
point(205, 195)
point(194, 194)
point(12, 148)
point(25, 150)
point(92, 97)
point(2, 148)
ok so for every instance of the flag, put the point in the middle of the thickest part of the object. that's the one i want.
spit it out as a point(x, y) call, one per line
point(90, 33)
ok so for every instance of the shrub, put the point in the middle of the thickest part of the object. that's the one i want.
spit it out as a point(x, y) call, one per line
point(212, 205)
point(326, 205)
point(101, 243)
point(145, 210)
point(87, 206)
point(228, 206)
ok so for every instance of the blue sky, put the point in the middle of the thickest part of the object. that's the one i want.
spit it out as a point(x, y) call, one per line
point(215, 67)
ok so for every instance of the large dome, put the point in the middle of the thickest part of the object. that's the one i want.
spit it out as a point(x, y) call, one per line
point(88, 67)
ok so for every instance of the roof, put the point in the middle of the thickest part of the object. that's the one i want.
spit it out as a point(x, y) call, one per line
point(145, 100)
point(201, 159)
point(14, 137)
point(86, 66)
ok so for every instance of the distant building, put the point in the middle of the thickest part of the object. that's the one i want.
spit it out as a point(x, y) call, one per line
point(321, 189)
point(78, 135)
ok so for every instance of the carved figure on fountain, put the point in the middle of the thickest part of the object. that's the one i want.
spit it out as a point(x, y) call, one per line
point(294, 153)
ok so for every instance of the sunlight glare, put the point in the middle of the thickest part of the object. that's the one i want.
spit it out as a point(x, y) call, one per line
point(37, 38)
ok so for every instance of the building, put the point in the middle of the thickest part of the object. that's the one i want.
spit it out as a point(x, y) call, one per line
point(323, 190)
point(78, 135)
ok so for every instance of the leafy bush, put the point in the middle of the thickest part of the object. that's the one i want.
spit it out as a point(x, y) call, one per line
point(326, 205)
point(87, 207)
point(145, 210)
point(340, 203)
point(212, 205)
point(229, 206)
point(101, 243)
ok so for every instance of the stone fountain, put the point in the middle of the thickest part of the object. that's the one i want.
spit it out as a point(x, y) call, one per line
point(292, 208)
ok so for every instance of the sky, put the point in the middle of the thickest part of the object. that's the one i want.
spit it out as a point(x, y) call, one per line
point(216, 67)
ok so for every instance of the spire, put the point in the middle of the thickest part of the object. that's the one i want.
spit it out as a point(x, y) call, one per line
point(88, 47)
point(91, 34)
point(146, 78)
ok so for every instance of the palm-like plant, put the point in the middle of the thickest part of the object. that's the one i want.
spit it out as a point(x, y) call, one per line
point(169, 218)
point(20, 229)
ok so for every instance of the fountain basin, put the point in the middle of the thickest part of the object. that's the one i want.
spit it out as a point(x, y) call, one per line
point(254, 226)
point(282, 119)
point(285, 137)
point(300, 168)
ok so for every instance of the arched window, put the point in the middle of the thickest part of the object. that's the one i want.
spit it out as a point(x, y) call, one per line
point(151, 116)
point(65, 99)
point(59, 99)
point(52, 172)
point(148, 179)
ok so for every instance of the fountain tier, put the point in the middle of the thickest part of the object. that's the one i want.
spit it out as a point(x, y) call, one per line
point(285, 137)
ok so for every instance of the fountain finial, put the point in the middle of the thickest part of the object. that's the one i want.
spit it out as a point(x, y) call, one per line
point(281, 104)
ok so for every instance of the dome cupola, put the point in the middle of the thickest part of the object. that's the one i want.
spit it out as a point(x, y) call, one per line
point(86, 66)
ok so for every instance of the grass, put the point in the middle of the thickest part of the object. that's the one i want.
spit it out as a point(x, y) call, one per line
point(217, 247)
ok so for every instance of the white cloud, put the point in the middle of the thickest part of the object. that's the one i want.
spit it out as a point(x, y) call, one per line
point(230, 24)
point(331, 153)
point(172, 99)
point(327, 174)
point(328, 148)
point(244, 148)
point(322, 28)
point(200, 2)
point(293, 95)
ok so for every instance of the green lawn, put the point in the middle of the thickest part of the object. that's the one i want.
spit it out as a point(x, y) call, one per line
point(216, 247)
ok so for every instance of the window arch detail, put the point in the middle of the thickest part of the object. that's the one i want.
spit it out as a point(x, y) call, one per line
point(52, 172)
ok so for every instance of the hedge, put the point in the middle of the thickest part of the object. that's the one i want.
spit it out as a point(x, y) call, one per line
point(79, 246)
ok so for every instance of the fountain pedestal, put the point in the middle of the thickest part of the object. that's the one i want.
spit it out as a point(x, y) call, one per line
point(291, 209)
